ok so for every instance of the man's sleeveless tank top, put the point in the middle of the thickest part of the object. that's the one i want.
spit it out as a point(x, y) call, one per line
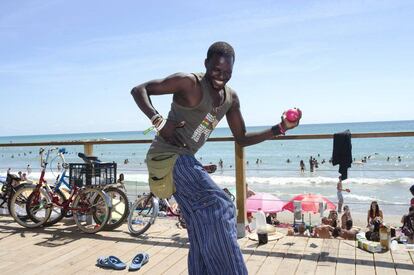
point(200, 121)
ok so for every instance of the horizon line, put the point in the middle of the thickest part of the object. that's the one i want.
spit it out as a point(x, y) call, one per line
point(325, 123)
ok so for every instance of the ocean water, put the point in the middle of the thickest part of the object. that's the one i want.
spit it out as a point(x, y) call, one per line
point(380, 178)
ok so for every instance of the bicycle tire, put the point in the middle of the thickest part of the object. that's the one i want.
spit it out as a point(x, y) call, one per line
point(57, 213)
point(18, 209)
point(88, 203)
point(10, 195)
point(138, 220)
point(119, 210)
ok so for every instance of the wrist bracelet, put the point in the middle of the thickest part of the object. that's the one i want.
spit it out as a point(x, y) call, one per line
point(275, 130)
point(161, 125)
point(155, 117)
point(278, 130)
point(282, 130)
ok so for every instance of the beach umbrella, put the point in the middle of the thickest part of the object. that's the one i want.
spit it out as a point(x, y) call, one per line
point(310, 203)
point(267, 202)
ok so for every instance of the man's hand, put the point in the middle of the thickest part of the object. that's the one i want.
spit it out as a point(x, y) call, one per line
point(287, 125)
point(169, 134)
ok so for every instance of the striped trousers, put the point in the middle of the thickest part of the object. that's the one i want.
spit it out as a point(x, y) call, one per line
point(209, 216)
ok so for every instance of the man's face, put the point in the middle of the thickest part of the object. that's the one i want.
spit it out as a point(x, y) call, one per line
point(218, 70)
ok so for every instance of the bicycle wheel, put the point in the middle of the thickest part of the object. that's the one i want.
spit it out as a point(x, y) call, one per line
point(9, 195)
point(120, 208)
point(18, 207)
point(57, 213)
point(91, 210)
point(142, 214)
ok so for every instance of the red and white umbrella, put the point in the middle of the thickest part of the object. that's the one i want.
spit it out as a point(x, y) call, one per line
point(309, 202)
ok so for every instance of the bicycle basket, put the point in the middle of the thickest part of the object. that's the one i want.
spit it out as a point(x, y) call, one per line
point(92, 174)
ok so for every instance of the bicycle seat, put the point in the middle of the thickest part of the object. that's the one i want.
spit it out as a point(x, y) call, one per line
point(11, 177)
point(88, 159)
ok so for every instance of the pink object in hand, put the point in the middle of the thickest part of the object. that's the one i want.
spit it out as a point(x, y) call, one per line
point(292, 115)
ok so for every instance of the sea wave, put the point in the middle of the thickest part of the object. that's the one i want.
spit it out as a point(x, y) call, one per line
point(313, 181)
point(271, 181)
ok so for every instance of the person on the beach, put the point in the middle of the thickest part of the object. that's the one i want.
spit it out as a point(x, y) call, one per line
point(311, 164)
point(347, 233)
point(302, 166)
point(412, 193)
point(200, 101)
point(346, 217)
point(249, 192)
point(324, 229)
point(339, 190)
point(408, 224)
point(333, 218)
point(374, 215)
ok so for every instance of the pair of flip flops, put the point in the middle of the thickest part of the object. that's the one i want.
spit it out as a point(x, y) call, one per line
point(112, 262)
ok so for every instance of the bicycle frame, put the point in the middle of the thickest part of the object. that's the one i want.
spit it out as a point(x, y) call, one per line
point(74, 190)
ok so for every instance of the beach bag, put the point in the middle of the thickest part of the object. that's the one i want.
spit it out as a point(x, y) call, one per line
point(372, 236)
point(160, 172)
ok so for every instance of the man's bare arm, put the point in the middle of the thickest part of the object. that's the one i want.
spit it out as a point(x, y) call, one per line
point(182, 86)
point(238, 128)
point(178, 83)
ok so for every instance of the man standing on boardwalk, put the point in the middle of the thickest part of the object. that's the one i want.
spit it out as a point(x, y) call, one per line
point(200, 101)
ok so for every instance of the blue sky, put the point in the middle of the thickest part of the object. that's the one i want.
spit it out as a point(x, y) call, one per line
point(69, 66)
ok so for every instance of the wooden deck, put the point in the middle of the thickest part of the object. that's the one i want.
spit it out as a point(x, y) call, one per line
point(63, 249)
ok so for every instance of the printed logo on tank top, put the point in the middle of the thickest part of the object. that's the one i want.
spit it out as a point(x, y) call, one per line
point(206, 126)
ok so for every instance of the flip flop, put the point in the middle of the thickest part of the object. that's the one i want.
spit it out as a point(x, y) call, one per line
point(110, 262)
point(138, 261)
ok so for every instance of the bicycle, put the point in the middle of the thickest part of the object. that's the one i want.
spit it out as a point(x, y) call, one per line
point(90, 205)
point(9, 186)
point(145, 210)
point(117, 194)
point(18, 201)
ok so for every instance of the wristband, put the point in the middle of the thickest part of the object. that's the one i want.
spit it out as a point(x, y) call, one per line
point(154, 117)
point(278, 130)
point(282, 130)
point(161, 125)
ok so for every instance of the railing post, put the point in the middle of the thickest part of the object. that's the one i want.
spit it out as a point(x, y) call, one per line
point(240, 191)
point(88, 149)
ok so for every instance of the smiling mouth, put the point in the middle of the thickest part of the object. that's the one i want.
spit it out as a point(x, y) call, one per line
point(217, 83)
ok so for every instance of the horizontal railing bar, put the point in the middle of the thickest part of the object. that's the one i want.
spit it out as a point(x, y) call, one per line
point(216, 139)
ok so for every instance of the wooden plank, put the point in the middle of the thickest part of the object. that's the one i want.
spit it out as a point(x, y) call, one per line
point(276, 255)
point(240, 190)
point(293, 256)
point(86, 262)
point(181, 265)
point(255, 261)
point(310, 257)
point(160, 263)
point(384, 263)
point(402, 260)
point(364, 262)
point(327, 259)
point(88, 149)
point(346, 258)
